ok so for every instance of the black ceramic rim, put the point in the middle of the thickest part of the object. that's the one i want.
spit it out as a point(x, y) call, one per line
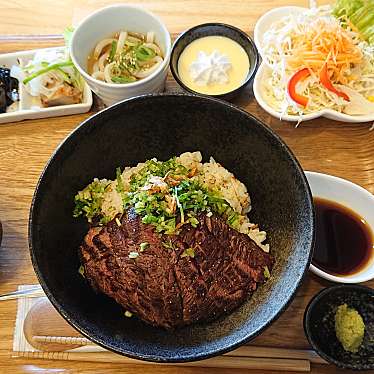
point(226, 26)
point(153, 358)
point(308, 310)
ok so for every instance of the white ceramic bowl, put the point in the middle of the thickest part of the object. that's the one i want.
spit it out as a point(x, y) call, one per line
point(354, 197)
point(262, 25)
point(107, 21)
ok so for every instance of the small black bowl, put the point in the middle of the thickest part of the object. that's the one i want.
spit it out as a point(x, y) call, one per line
point(215, 29)
point(319, 325)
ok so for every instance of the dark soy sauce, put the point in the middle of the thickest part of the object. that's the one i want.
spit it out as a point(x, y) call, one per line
point(344, 242)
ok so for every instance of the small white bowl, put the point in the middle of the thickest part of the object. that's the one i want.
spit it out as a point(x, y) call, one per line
point(354, 197)
point(104, 23)
point(262, 25)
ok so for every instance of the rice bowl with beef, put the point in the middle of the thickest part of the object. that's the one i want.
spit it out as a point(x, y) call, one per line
point(171, 241)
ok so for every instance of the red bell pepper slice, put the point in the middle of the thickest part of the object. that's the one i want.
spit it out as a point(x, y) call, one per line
point(325, 80)
point(291, 87)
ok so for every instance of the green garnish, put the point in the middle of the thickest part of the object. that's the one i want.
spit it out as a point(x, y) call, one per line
point(47, 69)
point(104, 220)
point(131, 59)
point(128, 314)
point(193, 221)
point(189, 252)
point(88, 201)
point(113, 49)
point(81, 271)
point(360, 13)
point(163, 195)
point(190, 196)
point(130, 44)
point(144, 53)
point(65, 76)
point(133, 255)
point(123, 79)
point(233, 219)
point(266, 272)
point(143, 246)
point(168, 245)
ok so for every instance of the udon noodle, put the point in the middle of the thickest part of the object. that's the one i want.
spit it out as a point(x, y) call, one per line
point(125, 58)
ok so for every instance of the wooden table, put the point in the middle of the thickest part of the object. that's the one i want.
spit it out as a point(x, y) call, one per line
point(344, 150)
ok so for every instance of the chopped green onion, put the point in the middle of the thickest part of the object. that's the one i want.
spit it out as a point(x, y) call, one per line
point(47, 69)
point(189, 252)
point(233, 219)
point(266, 272)
point(88, 201)
point(144, 53)
point(66, 76)
point(104, 220)
point(123, 79)
point(131, 44)
point(128, 314)
point(168, 245)
point(133, 255)
point(81, 271)
point(153, 206)
point(113, 50)
point(143, 246)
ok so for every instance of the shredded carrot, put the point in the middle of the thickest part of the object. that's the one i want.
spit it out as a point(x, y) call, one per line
point(323, 42)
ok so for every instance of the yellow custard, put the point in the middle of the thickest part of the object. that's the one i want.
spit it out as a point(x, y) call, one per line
point(213, 65)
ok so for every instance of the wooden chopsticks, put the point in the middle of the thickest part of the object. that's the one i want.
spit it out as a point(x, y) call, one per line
point(245, 357)
point(228, 362)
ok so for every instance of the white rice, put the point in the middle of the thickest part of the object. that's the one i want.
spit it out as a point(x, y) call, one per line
point(212, 175)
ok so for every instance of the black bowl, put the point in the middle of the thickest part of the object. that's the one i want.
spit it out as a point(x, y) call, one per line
point(319, 325)
point(220, 29)
point(162, 126)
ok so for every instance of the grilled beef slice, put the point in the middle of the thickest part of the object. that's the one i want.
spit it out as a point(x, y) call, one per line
point(163, 285)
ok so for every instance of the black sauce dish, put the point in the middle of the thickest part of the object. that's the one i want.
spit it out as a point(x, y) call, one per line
point(162, 126)
point(215, 29)
point(319, 325)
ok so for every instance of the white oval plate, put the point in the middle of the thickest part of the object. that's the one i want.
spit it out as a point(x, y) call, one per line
point(354, 197)
point(30, 107)
point(262, 25)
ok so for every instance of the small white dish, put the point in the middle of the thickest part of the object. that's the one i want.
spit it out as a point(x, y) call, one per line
point(262, 25)
point(258, 90)
point(105, 22)
point(354, 197)
point(30, 107)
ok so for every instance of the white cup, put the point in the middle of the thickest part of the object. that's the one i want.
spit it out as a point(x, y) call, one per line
point(357, 199)
point(106, 22)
